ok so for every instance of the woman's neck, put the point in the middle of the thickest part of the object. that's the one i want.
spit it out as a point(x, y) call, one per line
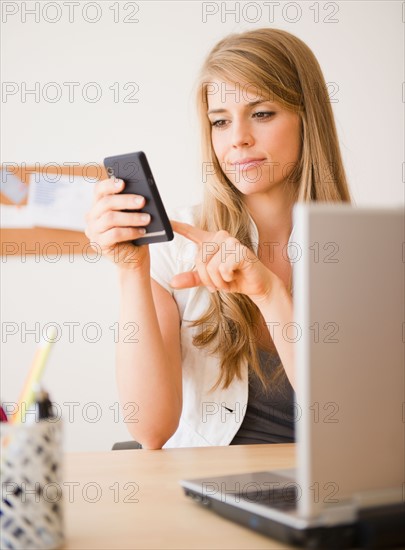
point(272, 214)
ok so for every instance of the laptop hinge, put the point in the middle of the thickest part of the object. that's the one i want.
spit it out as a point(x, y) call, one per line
point(380, 497)
point(347, 511)
point(338, 514)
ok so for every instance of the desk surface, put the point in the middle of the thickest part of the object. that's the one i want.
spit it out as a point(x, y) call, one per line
point(132, 499)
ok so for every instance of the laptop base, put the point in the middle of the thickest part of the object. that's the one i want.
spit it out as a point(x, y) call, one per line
point(380, 527)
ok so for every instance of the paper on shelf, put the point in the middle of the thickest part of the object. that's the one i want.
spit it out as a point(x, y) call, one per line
point(15, 216)
point(12, 187)
point(60, 201)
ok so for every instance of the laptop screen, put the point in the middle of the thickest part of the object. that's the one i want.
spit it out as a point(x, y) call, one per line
point(349, 312)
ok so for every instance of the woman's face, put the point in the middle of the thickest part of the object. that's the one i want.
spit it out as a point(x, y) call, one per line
point(257, 142)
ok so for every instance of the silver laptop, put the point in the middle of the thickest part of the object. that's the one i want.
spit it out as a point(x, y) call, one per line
point(348, 489)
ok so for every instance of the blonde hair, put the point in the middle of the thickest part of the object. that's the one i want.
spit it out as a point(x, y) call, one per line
point(277, 63)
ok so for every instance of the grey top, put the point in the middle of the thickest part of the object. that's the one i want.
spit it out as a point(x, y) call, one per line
point(269, 415)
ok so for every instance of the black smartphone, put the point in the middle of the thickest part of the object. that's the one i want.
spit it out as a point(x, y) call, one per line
point(134, 169)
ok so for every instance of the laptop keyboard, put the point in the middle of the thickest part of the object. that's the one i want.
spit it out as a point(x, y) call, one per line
point(281, 499)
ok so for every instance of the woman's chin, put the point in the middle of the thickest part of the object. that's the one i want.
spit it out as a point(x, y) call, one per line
point(253, 188)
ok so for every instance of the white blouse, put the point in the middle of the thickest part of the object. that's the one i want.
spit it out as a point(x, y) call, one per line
point(208, 417)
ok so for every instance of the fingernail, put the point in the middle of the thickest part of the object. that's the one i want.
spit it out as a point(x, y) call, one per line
point(117, 183)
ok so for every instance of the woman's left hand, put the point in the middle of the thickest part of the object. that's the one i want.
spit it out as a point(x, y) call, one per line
point(224, 263)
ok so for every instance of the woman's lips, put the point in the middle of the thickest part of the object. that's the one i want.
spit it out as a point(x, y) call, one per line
point(246, 164)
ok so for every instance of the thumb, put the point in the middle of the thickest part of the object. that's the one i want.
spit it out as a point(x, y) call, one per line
point(117, 184)
point(187, 279)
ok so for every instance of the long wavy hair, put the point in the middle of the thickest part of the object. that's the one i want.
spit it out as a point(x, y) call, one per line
point(280, 64)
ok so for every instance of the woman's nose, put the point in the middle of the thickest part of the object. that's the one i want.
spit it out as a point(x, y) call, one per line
point(241, 134)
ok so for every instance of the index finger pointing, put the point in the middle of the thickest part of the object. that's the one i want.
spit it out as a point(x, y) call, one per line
point(195, 234)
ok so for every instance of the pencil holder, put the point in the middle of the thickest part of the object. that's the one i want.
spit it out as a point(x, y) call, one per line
point(31, 485)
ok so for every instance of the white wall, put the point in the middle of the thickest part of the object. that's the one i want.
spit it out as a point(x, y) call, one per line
point(361, 53)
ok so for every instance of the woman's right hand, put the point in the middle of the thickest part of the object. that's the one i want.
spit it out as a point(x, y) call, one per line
point(113, 230)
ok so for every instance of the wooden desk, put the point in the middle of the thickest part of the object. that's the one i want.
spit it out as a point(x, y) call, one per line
point(163, 517)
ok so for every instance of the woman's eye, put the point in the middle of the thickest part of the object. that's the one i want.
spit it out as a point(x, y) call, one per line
point(218, 123)
point(264, 114)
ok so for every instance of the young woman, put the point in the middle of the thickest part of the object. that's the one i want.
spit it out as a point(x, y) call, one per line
point(211, 366)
